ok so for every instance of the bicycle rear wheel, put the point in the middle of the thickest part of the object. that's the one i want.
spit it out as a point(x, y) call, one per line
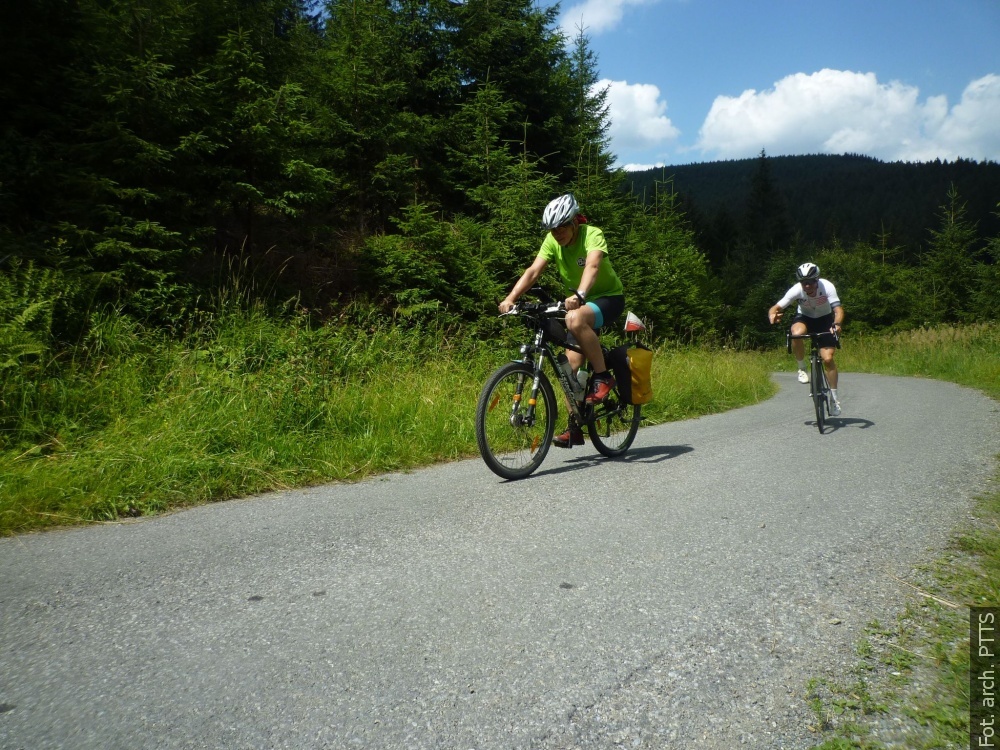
point(819, 392)
point(512, 443)
point(614, 425)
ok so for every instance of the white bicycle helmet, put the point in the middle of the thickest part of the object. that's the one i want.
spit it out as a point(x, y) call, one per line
point(807, 272)
point(560, 211)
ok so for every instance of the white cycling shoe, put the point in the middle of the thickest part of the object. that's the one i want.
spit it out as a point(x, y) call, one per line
point(834, 408)
point(803, 376)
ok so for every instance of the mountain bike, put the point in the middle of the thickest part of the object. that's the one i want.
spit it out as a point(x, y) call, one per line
point(819, 385)
point(516, 413)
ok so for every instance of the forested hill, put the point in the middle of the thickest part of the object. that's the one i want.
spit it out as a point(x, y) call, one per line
point(845, 198)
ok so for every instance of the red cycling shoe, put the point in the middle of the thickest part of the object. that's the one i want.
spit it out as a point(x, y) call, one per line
point(572, 436)
point(600, 389)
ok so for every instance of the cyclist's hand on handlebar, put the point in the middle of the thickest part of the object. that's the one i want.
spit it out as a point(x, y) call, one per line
point(572, 303)
point(506, 306)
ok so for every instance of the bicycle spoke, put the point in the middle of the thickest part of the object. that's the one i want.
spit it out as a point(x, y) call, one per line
point(613, 428)
point(513, 436)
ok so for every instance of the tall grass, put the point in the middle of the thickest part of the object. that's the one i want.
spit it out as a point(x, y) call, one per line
point(692, 381)
point(246, 402)
point(243, 404)
point(967, 355)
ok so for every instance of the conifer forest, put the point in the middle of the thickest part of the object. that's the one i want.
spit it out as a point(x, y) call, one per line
point(391, 159)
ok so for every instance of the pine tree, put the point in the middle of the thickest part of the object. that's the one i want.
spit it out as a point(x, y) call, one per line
point(262, 133)
point(766, 219)
point(949, 266)
point(383, 61)
point(512, 45)
point(593, 175)
point(666, 277)
point(39, 43)
point(984, 295)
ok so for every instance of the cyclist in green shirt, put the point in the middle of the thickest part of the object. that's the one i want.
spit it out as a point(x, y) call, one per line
point(580, 253)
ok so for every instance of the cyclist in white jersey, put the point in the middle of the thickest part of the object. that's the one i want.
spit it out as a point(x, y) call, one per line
point(819, 311)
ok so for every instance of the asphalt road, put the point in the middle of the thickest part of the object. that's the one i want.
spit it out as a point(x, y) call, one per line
point(681, 597)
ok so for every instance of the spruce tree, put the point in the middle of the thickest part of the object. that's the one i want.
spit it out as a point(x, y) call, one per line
point(513, 45)
point(766, 219)
point(949, 267)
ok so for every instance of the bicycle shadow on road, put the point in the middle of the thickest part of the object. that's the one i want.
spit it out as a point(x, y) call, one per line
point(836, 423)
point(646, 455)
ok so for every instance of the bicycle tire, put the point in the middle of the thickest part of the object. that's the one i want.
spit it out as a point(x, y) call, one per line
point(827, 397)
point(513, 449)
point(613, 426)
point(819, 392)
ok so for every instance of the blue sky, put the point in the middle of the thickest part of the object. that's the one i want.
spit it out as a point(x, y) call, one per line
point(704, 80)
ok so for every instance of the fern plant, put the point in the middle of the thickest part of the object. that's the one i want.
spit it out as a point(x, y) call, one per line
point(28, 296)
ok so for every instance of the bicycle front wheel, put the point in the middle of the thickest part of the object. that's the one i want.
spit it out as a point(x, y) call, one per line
point(614, 426)
point(513, 437)
point(819, 393)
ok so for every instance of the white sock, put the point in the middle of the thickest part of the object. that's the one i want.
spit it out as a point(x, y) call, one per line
point(802, 364)
point(833, 392)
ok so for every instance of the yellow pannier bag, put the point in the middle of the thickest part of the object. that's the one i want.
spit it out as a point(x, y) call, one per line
point(640, 361)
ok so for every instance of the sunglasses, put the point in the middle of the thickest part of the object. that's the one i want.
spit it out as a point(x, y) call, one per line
point(809, 283)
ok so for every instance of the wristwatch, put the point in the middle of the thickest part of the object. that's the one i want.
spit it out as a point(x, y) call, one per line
point(582, 296)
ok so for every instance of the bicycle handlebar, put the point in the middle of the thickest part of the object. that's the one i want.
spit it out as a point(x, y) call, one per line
point(551, 309)
point(811, 336)
point(547, 305)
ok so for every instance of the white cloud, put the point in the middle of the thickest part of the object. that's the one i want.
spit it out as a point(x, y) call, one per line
point(636, 167)
point(637, 116)
point(835, 111)
point(595, 16)
point(972, 128)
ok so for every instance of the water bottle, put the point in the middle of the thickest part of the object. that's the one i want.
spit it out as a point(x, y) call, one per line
point(564, 367)
point(581, 376)
point(574, 382)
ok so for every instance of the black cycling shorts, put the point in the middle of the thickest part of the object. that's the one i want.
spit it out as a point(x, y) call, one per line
point(822, 324)
point(610, 308)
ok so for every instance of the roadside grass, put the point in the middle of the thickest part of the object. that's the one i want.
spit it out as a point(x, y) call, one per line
point(244, 405)
point(966, 355)
point(693, 381)
point(249, 403)
point(912, 686)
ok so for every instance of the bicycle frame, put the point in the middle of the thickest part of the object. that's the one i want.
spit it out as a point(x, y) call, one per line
point(534, 354)
point(516, 410)
point(818, 384)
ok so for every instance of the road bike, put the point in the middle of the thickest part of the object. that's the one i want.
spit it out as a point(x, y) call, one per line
point(818, 384)
point(517, 409)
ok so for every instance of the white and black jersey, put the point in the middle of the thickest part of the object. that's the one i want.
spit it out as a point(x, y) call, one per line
point(812, 307)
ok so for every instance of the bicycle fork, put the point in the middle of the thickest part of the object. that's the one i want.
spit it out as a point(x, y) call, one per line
point(819, 384)
point(518, 417)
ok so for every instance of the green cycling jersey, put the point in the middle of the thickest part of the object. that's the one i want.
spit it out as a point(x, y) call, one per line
point(571, 260)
